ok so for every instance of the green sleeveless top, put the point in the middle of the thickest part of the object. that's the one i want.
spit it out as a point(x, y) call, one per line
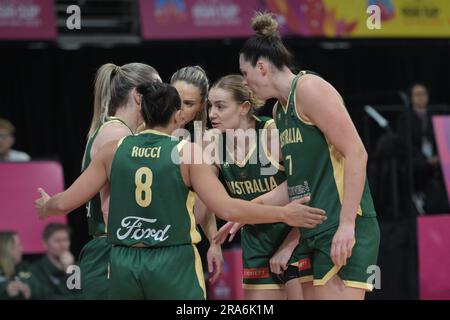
point(258, 174)
point(96, 224)
point(149, 202)
point(313, 166)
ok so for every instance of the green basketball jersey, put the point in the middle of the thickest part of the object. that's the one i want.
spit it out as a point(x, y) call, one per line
point(258, 174)
point(313, 166)
point(149, 202)
point(96, 224)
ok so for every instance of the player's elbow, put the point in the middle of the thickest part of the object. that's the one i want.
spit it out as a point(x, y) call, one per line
point(362, 155)
point(358, 154)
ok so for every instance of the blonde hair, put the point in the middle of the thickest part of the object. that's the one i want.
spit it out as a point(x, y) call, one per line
point(6, 261)
point(112, 85)
point(234, 83)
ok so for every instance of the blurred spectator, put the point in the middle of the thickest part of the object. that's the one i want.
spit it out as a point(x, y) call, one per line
point(7, 139)
point(429, 190)
point(14, 274)
point(49, 272)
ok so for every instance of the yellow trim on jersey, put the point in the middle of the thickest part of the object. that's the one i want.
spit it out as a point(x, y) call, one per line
point(270, 123)
point(309, 123)
point(333, 271)
point(306, 279)
point(156, 132)
point(337, 161)
point(199, 270)
point(190, 202)
point(358, 285)
point(321, 282)
point(97, 131)
point(274, 286)
point(242, 163)
point(256, 118)
point(285, 108)
point(247, 157)
point(120, 141)
point(112, 120)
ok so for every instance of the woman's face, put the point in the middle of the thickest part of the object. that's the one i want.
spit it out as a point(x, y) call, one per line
point(191, 100)
point(419, 96)
point(254, 78)
point(224, 113)
point(16, 250)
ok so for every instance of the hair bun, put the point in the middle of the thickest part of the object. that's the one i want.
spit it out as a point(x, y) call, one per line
point(265, 25)
point(153, 89)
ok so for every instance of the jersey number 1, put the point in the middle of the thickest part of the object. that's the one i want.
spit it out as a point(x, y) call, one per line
point(143, 180)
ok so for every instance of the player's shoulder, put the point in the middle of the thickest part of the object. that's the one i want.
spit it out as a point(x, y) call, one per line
point(313, 87)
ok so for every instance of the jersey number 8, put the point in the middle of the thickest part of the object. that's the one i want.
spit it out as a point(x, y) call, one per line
point(143, 180)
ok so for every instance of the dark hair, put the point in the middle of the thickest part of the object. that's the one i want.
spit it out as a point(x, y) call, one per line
point(6, 124)
point(51, 228)
point(417, 83)
point(266, 43)
point(159, 102)
point(7, 265)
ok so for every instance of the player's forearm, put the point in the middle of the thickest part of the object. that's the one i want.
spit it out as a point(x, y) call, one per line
point(209, 225)
point(56, 205)
point(292, 239)
point(249, 212)
point(354, 180)
point(276, 197)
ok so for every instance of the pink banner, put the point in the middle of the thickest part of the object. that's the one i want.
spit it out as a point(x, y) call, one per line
point(27, 20)
point(441, 126)
point(229, 285)
point(18, 185)
point(434, 257)
point(179, 19)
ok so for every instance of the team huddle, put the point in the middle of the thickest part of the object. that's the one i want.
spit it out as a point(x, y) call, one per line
point(300, 198)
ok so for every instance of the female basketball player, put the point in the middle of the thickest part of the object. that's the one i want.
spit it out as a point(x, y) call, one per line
point(323, 155)
point(192, 85)
point(116, 115)
point(150, 223)
point(255, 173)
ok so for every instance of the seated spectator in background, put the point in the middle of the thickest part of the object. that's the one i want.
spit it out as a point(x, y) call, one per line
point(7, 139)
point(14, 275)
point(429, 187)
point(49, 272)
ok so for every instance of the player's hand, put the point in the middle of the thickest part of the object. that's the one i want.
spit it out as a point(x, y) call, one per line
point(215, 262)
point(300, 215)
point(39, 204)
point(228, 229)
point(25, 289)
point(66, 260)
point(279, 261)
point(13, 289)
point(343, 242)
